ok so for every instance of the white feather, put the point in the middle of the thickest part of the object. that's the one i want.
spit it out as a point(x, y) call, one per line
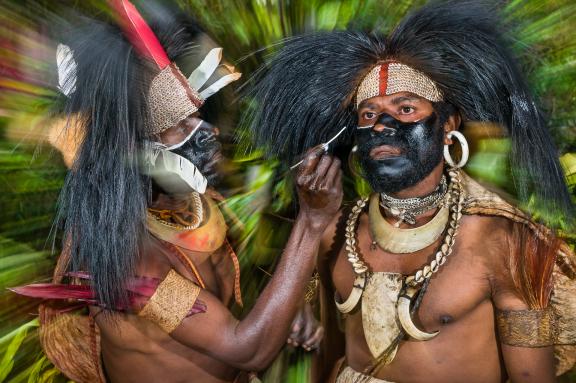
point(66, 69)
point(205, 69)
point(221, 83)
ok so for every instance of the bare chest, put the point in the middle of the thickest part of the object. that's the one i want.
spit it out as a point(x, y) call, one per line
point(454, 291)
point(457, 303)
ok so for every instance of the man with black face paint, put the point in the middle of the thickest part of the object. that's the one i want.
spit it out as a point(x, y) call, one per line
point(395, 155)
point(197, 141)
point(432, 277)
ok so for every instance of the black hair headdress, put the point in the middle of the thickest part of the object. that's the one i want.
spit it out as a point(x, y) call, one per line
point(305, 93)
point(103, 201)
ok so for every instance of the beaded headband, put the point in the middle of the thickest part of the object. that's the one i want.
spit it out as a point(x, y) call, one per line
point(393, 77)
point(171, 99)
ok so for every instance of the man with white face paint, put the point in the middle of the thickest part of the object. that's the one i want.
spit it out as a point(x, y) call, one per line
point(433, 277)
point(144, 243)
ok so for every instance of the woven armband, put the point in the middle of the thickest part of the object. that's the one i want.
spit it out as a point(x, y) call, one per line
point(527, 328)
point(171, 302)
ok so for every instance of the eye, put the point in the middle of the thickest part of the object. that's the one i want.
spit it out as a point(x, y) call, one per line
point(406, 110)
point(368, 115)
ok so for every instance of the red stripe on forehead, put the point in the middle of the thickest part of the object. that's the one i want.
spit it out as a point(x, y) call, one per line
point(383, 79)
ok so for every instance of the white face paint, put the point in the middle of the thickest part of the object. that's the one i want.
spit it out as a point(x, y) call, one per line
point(160, 145)
point(385, 127)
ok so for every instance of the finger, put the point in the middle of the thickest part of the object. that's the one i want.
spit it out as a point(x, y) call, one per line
point(295, 336)
point(324, 166)
point(314, 341)
point(338, 179)
point(313, 180)
point(293, 342)
point(311, 159)
point(296, 326)
point(309, 329)
point(317, 178)
point(332, 175)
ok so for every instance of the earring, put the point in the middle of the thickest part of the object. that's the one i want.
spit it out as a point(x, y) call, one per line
point(463, 145)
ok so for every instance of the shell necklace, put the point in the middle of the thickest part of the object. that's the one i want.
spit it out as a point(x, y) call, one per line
point(403, 241)
point(411, 284)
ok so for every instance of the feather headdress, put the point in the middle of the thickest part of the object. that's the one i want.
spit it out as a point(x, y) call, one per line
point(172, 96)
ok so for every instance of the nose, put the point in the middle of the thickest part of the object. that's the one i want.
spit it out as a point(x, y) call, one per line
point(207, 134)
point(209, 128)
point(385, 125)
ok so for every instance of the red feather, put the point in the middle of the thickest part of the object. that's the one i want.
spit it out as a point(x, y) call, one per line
point(55, 291)
point(139, 33)
point(140, 290)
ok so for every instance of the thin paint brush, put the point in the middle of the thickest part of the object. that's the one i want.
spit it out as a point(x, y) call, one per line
point(324, 145)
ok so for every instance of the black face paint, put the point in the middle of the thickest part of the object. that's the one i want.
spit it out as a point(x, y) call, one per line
point(204, 151)
point(421, 149)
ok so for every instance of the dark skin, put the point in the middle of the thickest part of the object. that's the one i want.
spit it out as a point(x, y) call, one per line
point(215, 346)
point(461, 297)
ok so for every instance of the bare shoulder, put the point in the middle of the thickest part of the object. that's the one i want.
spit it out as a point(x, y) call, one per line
point(500, 239)
point(494, 235)
point(157, 258)
point(154, 262)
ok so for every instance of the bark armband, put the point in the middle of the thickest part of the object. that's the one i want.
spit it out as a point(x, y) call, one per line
point(527, 328)
point(171, 302)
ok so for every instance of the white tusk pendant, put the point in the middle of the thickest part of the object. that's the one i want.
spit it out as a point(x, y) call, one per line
point(408, 325)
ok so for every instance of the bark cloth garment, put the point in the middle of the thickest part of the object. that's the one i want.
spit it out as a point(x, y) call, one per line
point(479, 200)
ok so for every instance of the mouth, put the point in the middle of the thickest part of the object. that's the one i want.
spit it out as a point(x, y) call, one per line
point(385, 151)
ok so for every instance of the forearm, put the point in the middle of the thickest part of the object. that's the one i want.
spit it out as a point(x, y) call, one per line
point(265, 329)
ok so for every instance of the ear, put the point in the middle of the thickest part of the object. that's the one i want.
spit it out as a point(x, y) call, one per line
point(453, 123)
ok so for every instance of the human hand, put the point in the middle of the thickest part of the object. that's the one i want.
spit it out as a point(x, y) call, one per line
point(319, 186)
point(306, 330)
